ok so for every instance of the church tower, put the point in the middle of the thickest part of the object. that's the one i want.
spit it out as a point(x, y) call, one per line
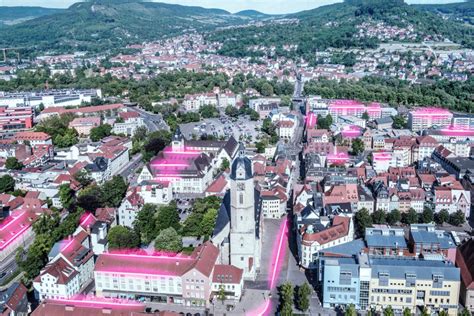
point(244, 223)
point(177, 143)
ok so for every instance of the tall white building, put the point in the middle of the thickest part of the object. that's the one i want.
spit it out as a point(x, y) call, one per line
point(244, 218)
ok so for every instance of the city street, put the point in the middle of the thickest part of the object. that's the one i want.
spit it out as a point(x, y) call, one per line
point(131, 167)
point(154, 122)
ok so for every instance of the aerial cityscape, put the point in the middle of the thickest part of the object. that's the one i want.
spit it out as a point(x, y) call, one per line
point(163, 159)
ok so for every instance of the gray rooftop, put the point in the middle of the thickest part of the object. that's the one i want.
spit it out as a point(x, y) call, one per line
point(423, 269)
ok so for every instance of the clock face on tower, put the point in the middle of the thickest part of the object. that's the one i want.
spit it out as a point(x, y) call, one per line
point(241, 186)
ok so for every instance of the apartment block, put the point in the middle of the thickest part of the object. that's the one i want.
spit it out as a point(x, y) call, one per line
point(424, 118)
point(184, 280)
point(400, 282)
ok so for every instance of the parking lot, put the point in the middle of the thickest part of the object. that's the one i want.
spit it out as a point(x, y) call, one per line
point(223, 127)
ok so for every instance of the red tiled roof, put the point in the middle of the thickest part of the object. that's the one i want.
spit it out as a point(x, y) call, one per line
point(128, 115)
point(16, 297)
point(203, 259)
point(224, 273)
point(88, 308)
point(105, 214)
point(339, 229)
point(61, 270)
point(31, 136)
point(218, 185)
point(83, 110)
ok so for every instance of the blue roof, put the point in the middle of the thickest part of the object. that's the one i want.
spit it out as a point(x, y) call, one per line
point(349, 249)
point(223, 216)
point(386, 241)
point(444, 239)
point(423, 269)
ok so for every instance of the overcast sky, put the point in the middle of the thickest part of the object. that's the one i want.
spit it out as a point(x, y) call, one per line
point(267, 6)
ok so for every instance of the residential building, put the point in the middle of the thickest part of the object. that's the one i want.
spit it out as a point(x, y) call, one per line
point(425, 240)
point(94, 306)
point(194, 102)
point(184, 280)
point(14, 301)
point(424, 118)
point(400, 282)
point(111, 109)
point(386, 241)
point(315, 234)
point(131, 122)
point(84, 125)
point(70, 266)
point(129, 208)
point(34, 138)
point(15, 118)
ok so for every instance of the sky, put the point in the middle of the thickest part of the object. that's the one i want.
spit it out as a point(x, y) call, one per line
point(266, 6)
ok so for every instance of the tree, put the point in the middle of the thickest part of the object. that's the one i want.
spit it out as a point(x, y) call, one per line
point(465, 312)
point(83, 177)
point(286, 292)
point(90, 198)
point(261, 146)
point(225, 164)
point(406, 312)
point(393, 217)
point(113, 191)
point(350, 311)
point(411, 217)
point(443, 313)
point(221, 294)
point(208, 222)
point(100, 132)
point(457, 218)
point(121, 237)
point(169, 240)
point(362, 221)
point(266, 90)
point(154, 143)
point(67, 139)
point(425, 312)
point(46, 223)
point(7, 184)
point(302, 297)
point(168, 216)
point(388, 311)
point(13, 164)
point(140, 134)
point(379, 217)
point(358, 147)
point(427, 216)
point(324, 122)
point(365, 116)
point(399, 122)
point(66, 195)
point(209, 111)
point(231, 111)
point(145, 223)
point(442, 217)
point(254, 116)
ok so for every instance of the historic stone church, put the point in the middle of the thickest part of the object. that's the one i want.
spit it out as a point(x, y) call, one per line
point(238, 225)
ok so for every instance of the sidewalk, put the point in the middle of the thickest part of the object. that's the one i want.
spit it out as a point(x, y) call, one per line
point(251, 301)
